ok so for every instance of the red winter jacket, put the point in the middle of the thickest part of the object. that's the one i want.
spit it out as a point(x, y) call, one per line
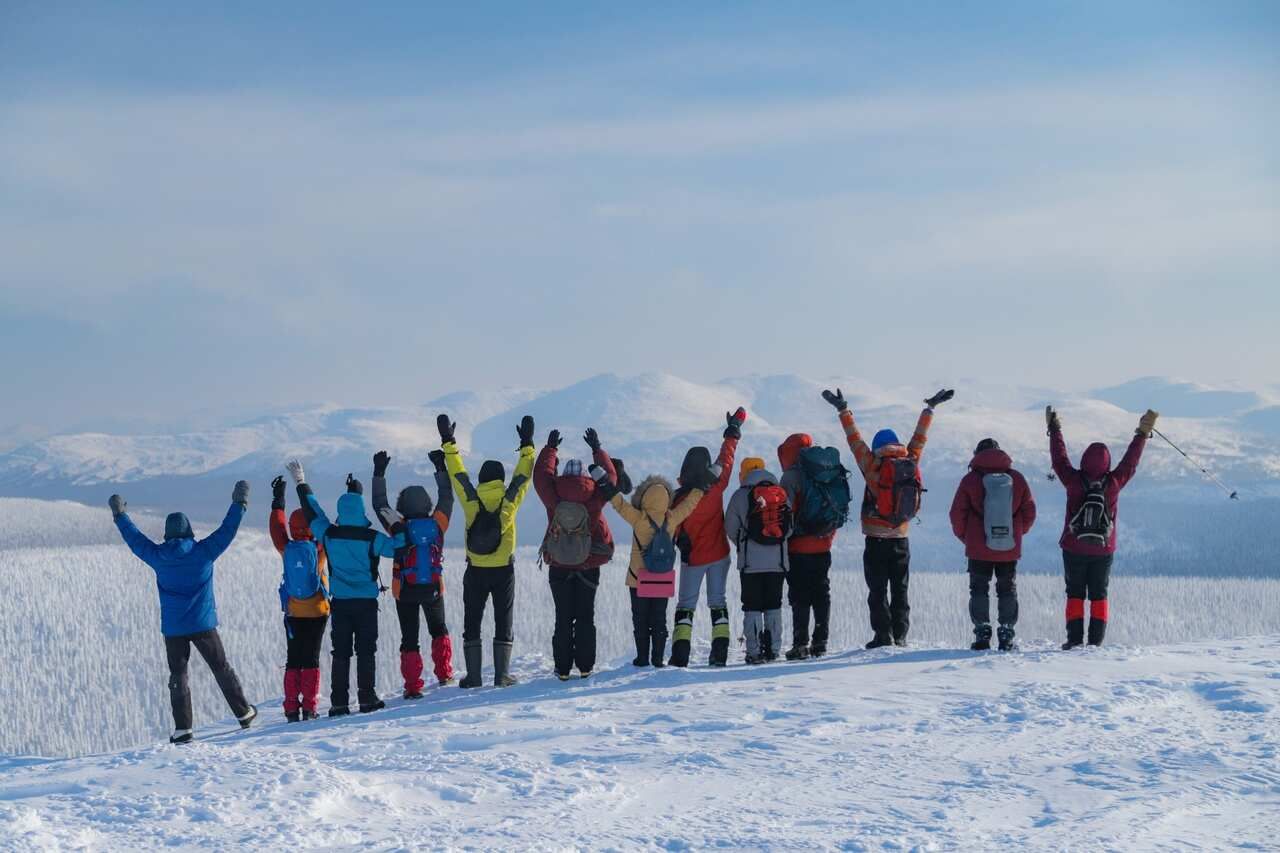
point(705, 526)
point(967, 508)
point(553, 489)
point(1094, 464)
point(789, 458)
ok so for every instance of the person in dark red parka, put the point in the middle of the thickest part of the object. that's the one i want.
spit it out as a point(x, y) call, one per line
point(573, 586)
point(809, 561)
point(1089, 539)
point(992, 510)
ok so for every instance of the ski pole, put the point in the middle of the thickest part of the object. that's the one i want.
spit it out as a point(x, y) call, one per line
point(1235, 496)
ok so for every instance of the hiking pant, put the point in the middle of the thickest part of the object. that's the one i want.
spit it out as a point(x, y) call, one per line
point(355, 628)
point(717, 577)
point(409, 607)
point(762, 612)
point(809, 589)
point(980, 572)
point(886, 564)
point(477, 586)
point(1087, 577)
point(408, 614)
point(209, 645)
point(304, 645)
point(574, 640)
point(648, 621)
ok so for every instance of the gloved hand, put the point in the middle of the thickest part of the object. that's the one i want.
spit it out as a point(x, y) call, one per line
point(240, 494)
point(604, 488)
point(277, 493)
point(525, 431)
point(714, 471)
point(624, 482)
point(1051, 419)
point(553, 439)
point(390, 516)
point(354, 486)
point(381, 460)
point(294, 467)
point(445, 427)
point(1147, 423)
point(118, 505)
point(735, 422)
point(836, 400)
point(597, 473)
point(437, 459)
point(941, 397)
point(592, 438)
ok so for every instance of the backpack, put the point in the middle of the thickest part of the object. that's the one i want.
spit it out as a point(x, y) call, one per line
point(423, 559)
point(824, 492)
point(660, 554)
point(768, 514)
point(997, 511)
point(301, 572)
point(1092, 523)
point(484, 536)
point(898, 492)
point(568, 539)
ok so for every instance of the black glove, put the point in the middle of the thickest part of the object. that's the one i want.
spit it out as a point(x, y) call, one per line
point(446, 428)
point(941, 397)
point(354, 486)
point(735, 421)
point(381, 460)
point(277, 493)
point(836, 400)
point(624, 482)
point(553, 439)
point(525, 431)
point(118, 505)
point(592, 438)
point(240, 494)
point(437, 459)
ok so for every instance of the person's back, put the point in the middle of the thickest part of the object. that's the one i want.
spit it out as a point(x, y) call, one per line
point(809, 558)
point(759, 521)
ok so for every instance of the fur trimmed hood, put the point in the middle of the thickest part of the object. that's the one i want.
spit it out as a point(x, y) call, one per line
point(653, 495)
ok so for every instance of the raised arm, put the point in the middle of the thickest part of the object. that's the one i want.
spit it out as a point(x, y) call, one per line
point(519, 486)
point(623, 507)
point(1062, 466)
point(316, 519)
point(862, 455)
point(142, 547)
point(604, 462)
point(729, 447)
point(381, 460)
point(1128, 466)
point(677, 516)
point(915, 447)
point(444, 492)
point(212, 546)
point(544, 470)
point(277, 524)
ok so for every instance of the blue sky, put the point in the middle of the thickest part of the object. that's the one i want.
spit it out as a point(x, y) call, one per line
point(206, 213)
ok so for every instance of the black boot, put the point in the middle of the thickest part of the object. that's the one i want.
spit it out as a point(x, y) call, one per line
point(659, 650)
point(642, 649)
point(1005, 634)
point(502, 676)
point(719, 637)
point(683, 638)
point(878, 641)
point(473, 654)
point(366, 692)
point(797, 653)
point(981, 637)
point(1075, 634)
point(1097, 630)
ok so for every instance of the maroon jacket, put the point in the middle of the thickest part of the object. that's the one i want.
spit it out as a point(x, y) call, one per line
point(1094, 464)
point(552, 489)
point(967, 508)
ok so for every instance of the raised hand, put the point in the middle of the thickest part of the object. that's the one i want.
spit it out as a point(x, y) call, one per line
point(1147, 423)
point(437, 459)
point(941, 397)
point(553, 439)
point(118, 505)
point(277, 493)
point(294, 467)
point(592, 438)
point(1051, 419)
point(240, 494)
point(354, 486)
point(525, 431)
point(836, 400)
point(381, 460)
point(624, 481)
point(735, 421)
point(445, 427)
point(597, 473)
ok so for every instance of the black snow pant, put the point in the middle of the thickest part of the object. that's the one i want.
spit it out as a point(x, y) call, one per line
point(478, 585)
point(1087, 576)
point(762, 591)
point(355, 628)
point(649, 623)
point(809, 589)
point(408, 614)
point(574, 640)
point(980, 572)
point(209, 645)
point(886, 564)
point(304, 644)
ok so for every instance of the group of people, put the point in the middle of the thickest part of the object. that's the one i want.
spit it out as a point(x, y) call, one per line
point(781, 526)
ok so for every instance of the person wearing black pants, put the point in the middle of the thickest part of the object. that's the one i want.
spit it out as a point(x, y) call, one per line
point(1087, 577)
point(355, 629)
point(649, 623)
point(305, 642)
point(886, 565)
point(809, 591)
point(574, 641)
point(478, 586)
point(980, 574)
point(209, 645)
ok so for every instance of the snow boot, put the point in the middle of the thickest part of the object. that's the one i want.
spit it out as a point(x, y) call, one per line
point(900, 640)
point(659, 650)
point(293, 717)
point(752, 633)
point(246, 719)
point(755, 659)
point(182, 736)
point(720, 632)
point(797, 653)
point(310, 681)
point(1075, 634)
point(878, 641)
point(502, 676)
point(563, 676)
point(817, 650)
point(442, 659)
point(642, 648)
point(310, 715)
point(292, 690)
point(370, 707)
point(683, 638)
point(1005, 634)
point(473, 654)
point(586, 674)
point(411, 672)
point(339, 710)
point(981, 637)
point(1097, 630)
point(772, 630)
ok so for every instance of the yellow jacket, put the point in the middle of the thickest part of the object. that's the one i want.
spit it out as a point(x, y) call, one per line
point(652, 500)
point(491, 495)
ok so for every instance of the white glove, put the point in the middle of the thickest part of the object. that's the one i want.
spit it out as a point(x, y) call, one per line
point(390, 516)
point(294, 467)
point(597, 473)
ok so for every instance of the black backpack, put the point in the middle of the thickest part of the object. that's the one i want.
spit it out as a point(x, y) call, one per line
point(1092, 523)
point(484, 536)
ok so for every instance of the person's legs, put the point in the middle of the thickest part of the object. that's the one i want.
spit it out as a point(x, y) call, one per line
point(686, 601)
point(309, 633)
point(1075, 571)
point(1007, 592)
point(820, 601)
point(209, 645)
point(292, 669)
point(503, 587)
point(366, 647)
point(441, 642)
point(979, 593)
point(475, 595)
point(584, 619)
point(562, 584)
point(800, 597)
point(752, 614)
point(410, 650)
point(640, 627)
point(875, 570)
point(178, 652)
point(1099, 578)
point(658, 630)
point(771, 601)
point(717, 575)
point(899, 556)
point(342, 635)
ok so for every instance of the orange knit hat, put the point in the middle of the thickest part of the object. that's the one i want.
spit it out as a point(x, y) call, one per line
point(751, 463)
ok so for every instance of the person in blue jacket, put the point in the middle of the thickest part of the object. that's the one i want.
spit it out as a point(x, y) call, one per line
point(354, 549)
point(188, 612)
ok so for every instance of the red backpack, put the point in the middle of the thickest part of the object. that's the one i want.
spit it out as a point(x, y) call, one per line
point(898, 492)
point(768, 514)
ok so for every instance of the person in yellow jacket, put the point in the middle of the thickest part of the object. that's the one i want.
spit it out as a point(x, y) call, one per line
point(490, 511)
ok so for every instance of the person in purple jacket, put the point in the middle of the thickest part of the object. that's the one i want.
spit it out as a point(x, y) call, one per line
point(1089, 533)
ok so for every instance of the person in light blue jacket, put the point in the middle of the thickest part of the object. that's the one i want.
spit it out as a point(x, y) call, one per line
point(188, 611)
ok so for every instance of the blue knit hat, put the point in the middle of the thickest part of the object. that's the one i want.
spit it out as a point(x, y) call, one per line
point(883, 437)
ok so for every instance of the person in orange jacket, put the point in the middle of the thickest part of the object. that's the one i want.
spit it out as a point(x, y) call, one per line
point(305, 617)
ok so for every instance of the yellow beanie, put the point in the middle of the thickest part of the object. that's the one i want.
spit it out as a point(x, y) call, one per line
point(751, 463)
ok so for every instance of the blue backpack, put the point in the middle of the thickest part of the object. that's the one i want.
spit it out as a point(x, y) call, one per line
point(301, 572)
point(660, 555)
point(824, 492)
point(423, 559)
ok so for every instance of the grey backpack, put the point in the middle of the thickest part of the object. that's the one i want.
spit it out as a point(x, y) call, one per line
point(997, 511)
point(568, 539)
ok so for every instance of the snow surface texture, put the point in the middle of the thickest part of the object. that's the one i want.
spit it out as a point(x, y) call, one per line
point(85, 662)
point(925, 749)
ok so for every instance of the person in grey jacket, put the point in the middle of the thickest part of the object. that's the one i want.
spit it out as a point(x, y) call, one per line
point(758, 522)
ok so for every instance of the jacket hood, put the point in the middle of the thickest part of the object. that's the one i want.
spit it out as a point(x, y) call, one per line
point(577, 489)
point(693, 470)
point(299, 529)
point(991, 461)
point(176, 526)
point(490, 493)
point(653, 496)
point(1096, 460)
point(757, 477)
point(414, 502)
point(351, 511)
point(789, 450)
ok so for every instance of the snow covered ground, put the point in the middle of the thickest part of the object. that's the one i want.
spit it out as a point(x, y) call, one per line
point(1125, 748)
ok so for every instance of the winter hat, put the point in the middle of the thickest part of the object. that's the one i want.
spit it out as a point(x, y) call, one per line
point(986, 444)
point(572, 468)
point(751, 463)
point(414, 502)
point(351, 511)
point(176, 526)
point(883, 437)
point(492, 470)
point(299, 529)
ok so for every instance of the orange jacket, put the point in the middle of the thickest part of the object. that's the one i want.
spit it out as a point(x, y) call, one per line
point(318, 604)
point(869, 463)
point(705, 524)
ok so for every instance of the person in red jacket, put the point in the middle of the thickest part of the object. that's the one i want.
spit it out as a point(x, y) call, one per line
point(992, 510)
point(809, 561)
point(576, 527)
point(1089, 533)
point(704, 546)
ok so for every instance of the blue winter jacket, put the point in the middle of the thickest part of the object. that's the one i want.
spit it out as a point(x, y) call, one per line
point(352, 545)
point(184, 572)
